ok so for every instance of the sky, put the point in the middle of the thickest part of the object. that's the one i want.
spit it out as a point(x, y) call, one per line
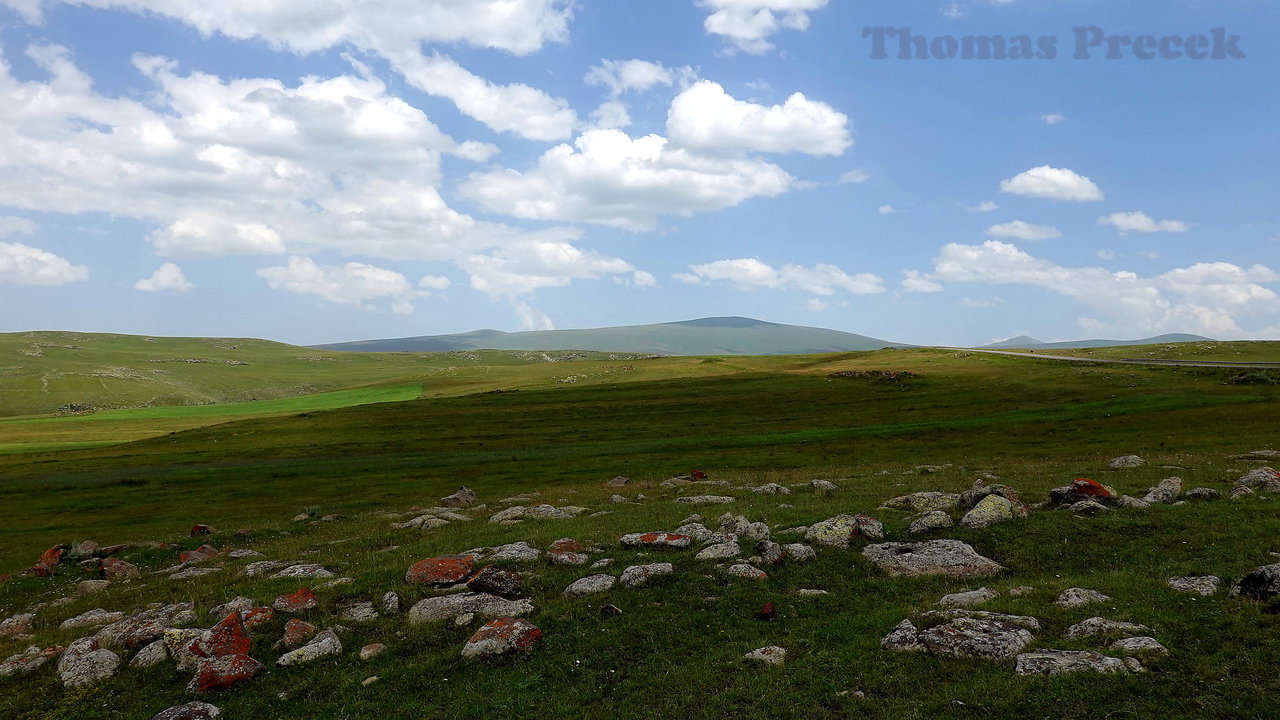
point(923, 171)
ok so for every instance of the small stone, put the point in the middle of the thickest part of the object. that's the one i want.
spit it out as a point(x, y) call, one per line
point(1095, 626)
point(924, 502)
point(297, 633)
point(323, 645)
point(151, 655)
point(515, 552)
point(369, 681)
point(85, 662)
point(990, 510)
point(771, 655)
point(391, 603)
point(1261, 584)
point(1089, 508)
point(223, 672)
point(243, 553)
point(654, 539)
point(1020, 590)
point(1142, 645)
point(638, 575)
point(610, 611)
point(811, 592)
point(200, 554)
point(1079, 597)
point(590, 585)
point(117, 570)
point(371, 651)
point(1059, 662)
point(1203, 585)
point(440, 571)
point(799, 552)
point(1126, 461)
point(747, 572)
point(300, 601)
point(494, 580)
point(1202, 493)
point(189, 711)
point(719, 551)
point(825, 486)
point(306, 570)
point(262, 567)
point(619, 481)
point(502, 636)
point(93, 618)
point(768, 611)
point(1166, 491)
point(464, 497)
point(930, 521)
point(359, 612)
point(483, 604)
point(968, 598)
point(20, 624)
point(705, 499)
point(934, 557)
point(568, 558)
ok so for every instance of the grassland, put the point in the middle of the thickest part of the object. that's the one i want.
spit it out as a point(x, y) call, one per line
point(675, 651)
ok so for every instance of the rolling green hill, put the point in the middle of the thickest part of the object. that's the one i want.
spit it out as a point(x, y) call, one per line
point(1025, 342)
point(706, 336)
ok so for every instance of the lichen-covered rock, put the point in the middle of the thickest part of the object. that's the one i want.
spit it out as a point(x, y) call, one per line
point(86, 662)
point(515, 552)
point(923, 502)
point(463, 497)
point(223, 672)
point(28, 661)
point(1079, 597)
point(200, 554)
point(695, 530)
point(1264, 478)
point(747, 572)
point(568, 558)
point(189, 711)
point(904, 637)
point(1059, 662)
point(358, 612)
point(1261, 584)
point(93, 618)
point(719, 551)
point(1142, 646)
point(771, 655)
point(990, 510)
point(481, 604)
point(1165, 492)
point(1089, 508)
point(930, 521)
point(705, 499)
point(968, 598)
point(117, 570)
point(371, 651)
point(300, 601)
point(1126, 461)
point(770, 489)
point(1203, 585)
point(590, 585)
point(970, 498)
point(657, 539)
point(1202, 493)
point(1023, 621)
point(502, 636)
point(20, 624)
point(934, 557)
point(390, 603)
point(262, 567)
point(825, 486)
point(770, 553)
point(323, 645)
point(836, 531)
point(180, 642)
point(972, 637)
point(496, 581)
point(297, 633)
point(799, 552)
point(151, 655)
point(305, 570)
point(638, 575)
point(1096, 626)
point(440, 571)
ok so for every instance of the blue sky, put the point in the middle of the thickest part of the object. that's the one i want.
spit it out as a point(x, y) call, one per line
point(319, 171)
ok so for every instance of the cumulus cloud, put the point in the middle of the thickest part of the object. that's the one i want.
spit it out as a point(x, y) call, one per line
point(915, 281)
point(524, 267)
point(1021, 230)
point(166, 277)
point(984, 206)
point(1142, 222)
point(1053, 118)
point(354, 283)
point(609, 178)
point(705, 117)
point(750, 273)
point(24, 265)
point(1054, 184)
point(887, 210)
point(748, 24)
point(10, 225)
point(621, 76)
point(1204, 298)
point(857, 175)
point(982, 302)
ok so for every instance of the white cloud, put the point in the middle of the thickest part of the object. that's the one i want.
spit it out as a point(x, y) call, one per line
point(982, 302)
point(524, 267)
point(24, 265)
point(1053, 118)
point(623, 75)
point(984, 206)
point(531, 318)
point(748, 24)
point(1204, 298)
point(857, 175)
point(705, 117)
point(1105, 254)
point(821, 279)
point(887, 210)
point(434, 282)
point(640, 278)
point(351, 284)
point(915, 281)
point(211, 237)
point(609, 178)
point(1024, 231)
point(1141, 222)
point(10, 225)
point(1054, 184)
point(816, 305)
point(611, 115)
point(166, 277)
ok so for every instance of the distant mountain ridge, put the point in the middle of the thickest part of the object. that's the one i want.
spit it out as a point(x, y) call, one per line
point(702, 336)
point(1023, 341)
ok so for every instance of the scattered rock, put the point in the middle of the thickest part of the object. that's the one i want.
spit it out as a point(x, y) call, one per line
point(968, 598)
point(1261, 584)
point(980, 490)
point(961, 637)
point(1095, 626)
point(515, 552)
point(464, 497)
point(371, 651)
point(297, 633)
point(199, 529)
point(1202, 493)
point(771, 655)
point(496, 581)
point(243, 553)
point(638, 575)
point(1089, 508)
point(306, 570)
point(747, 571)
point(189, 711)
point(619, 481)
point(799, 552)
point(1264, 478)
point(934, 557)
point(1025, 622)
point(85, 662)
point(1142, 645)
point(930, 521)
point(825, 486)
point(117, 570)
point(151, 655)
point(262, 567)
point(20, 624)
point(655, 539)
point(223, 672)
point(300, 601)
point(568, 558)
point(358, 612)
point(770, 489)
point(589, 585)
point(1059, 662)
point(610, 611)
point(390, 603)
point(719, 551)
point(1079, 597)
point(1203, 585)
point(705, 499)
point(840, 530)
point(93, 618)
point(193, 572)
point(200, 554)
point(323, 645)
point(1166, 491)
point(1020, 590)
point(440, 571)
point(502, 636)
point(919, 502)
point(1126, 461)
point(482, 604)
point(1133, 503)
point(28, 661)
point(990, 510)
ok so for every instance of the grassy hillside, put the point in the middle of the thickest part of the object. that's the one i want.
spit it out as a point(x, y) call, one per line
point(870, 421)
point(1023, 341)
point(707, 336)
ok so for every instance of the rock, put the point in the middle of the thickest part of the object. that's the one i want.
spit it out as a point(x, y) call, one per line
point(1089, 508)
point(537, 512)
point(117, 570)
point(1095, 626)
point(1025, 622)
point(440, 571)
point(243, 553)
point(638, 575)
point(183, 618)
point(990, 510)
point(930, 521)
point(235, 604)
point(1084, 489)
point(358, 612)
point(1239, 492)
point(199, 529)
point(93, 618)
point(618, 499)
point(28, 661)
point(825, 486)
point(223, 672)
point(1264, 478)
point(747, 572)
point(496, 581)
point(20, 624)
point(1134, 503)
point(1166, 491)
point(1141, 645)
point(904, 637)
point(719, 551)
point(934, 557)
point(254, 617)
point(297, 633)
point(705, 499)
point(589, 585)
point(655, 539)
point(968, 598)
point(502, 636)
point(970, 498)
point(1079, 597)
point(305, 570)
point(180, 642)
point(151, 655)
point(323, 645)
point(515, 552)
point(769, 552)
point(1126, 461)
point(1059, 662)
point(961, 637)
point(799, 552)
point(771, 655)
point(85, 662)
point(619, 481)
point(568, 558)
point(228, 637)
point(768, 611)
point(1203, 585)
point(262, 567)
point(371, 651)
point(771, 489)
point(390, 603)
point(811, 592)
point(1258, 455)
point(1020, 590)
point(462, 498)
point(189, 711)
point(610, 611)
point(193, 572)
point(696, 530)
point(923, 502)
point(200, 554)
point(300, 601)
point(837, 531)
point(1261, 584)
point(482, 604)
point(1202, 493)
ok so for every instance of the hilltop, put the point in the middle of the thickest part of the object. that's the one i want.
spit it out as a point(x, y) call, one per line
point(1026, 342)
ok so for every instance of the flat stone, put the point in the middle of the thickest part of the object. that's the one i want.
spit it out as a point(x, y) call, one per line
point(326, 644)
point(590, 585)
point(262, 567)
point(86, 662)
point(719, 551)
point(150, 655)
point(515, 552)
point(297, 633)
point(1143, 646)
point(496, 581)
point(934, 557)
point(968, 598)
point(1095, 626)
point(656, 539)
point(1060, 662)
point(20, 624)
point(972, 637)
point(94, 618)
point(1126, 461)
point(28, 661)
point(440, 571)
point(371, 651)
point(1079, 597)
point(306, 570)
point(1025, 622)
point(481, 604)
point(1203, 585)
point(300, 601)
point(638, 575)
point(924, 502)
point(990, 510)
point(929, 522)
point(747, 572)
point(189, 711)
point(502, 636)
point(1264, 479)
point(705, 499)
point(194, 572)
point(771, 655)
point(358, 612)
point(223, 672)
